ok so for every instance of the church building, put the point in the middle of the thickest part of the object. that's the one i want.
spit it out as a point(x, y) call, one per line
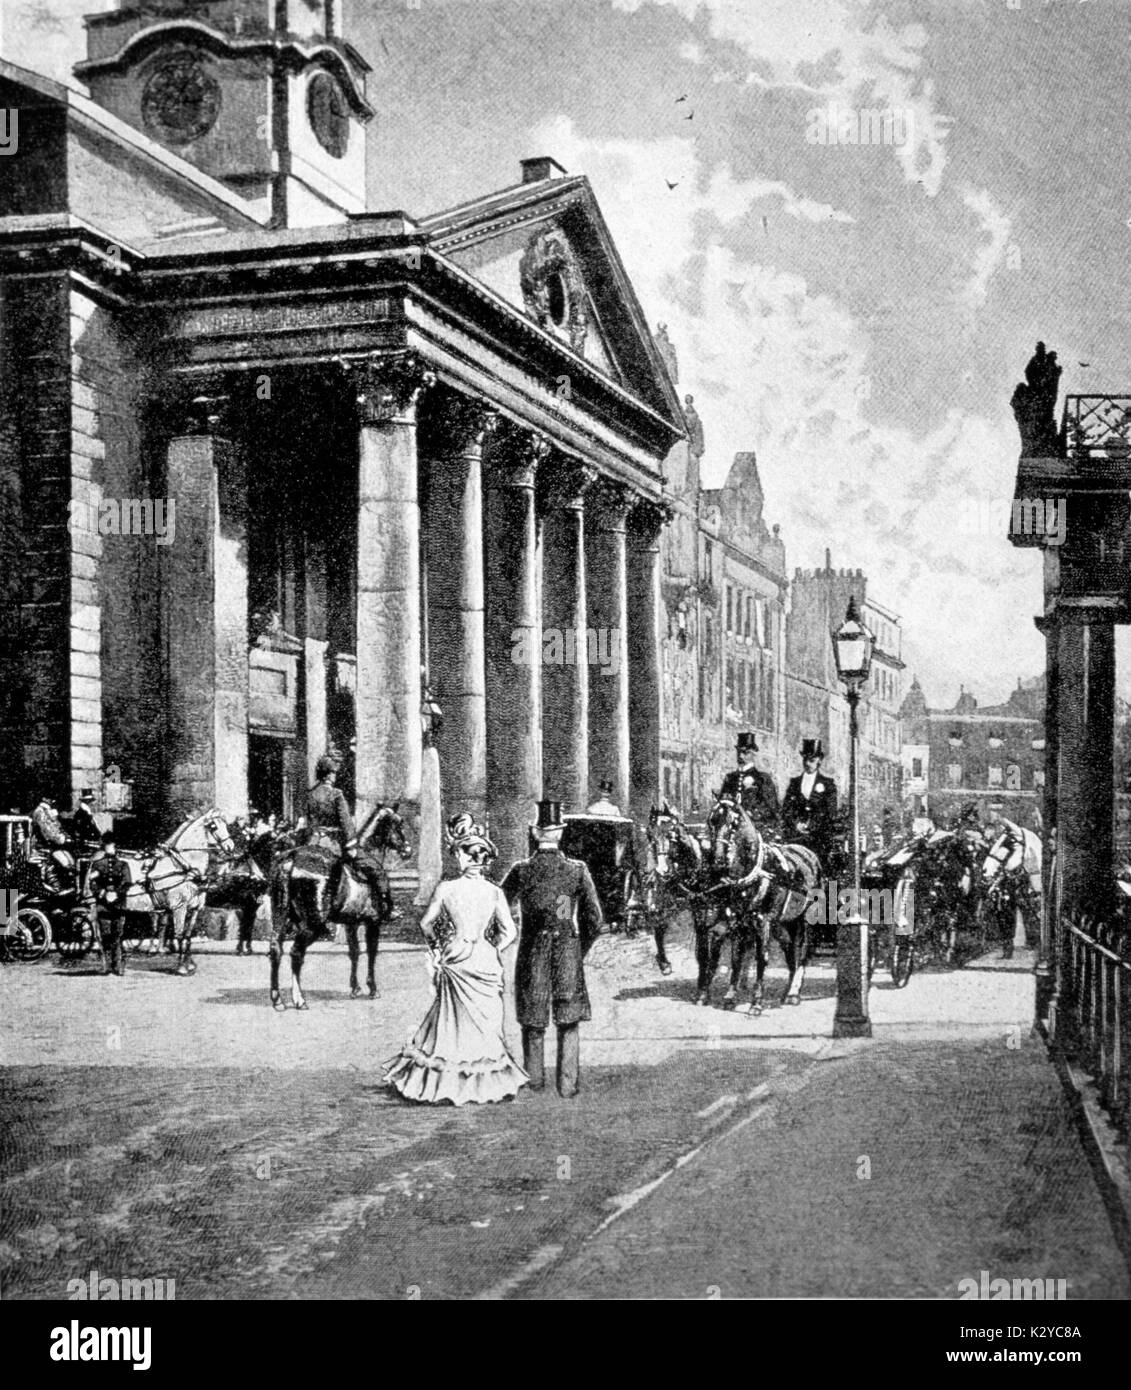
point(281, 473)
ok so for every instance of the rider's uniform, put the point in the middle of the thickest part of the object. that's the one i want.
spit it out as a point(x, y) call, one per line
point(755, 792)
point(332, 828)
point(109, 881)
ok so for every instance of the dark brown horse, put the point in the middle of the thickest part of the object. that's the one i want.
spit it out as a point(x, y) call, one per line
point(311, 891)
point(764, 888)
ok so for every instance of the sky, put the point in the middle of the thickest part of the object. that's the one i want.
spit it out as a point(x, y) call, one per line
point(857, 314)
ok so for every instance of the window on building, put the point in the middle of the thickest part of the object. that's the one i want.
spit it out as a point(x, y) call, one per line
point(994, 775)
point(771, 707)
point(730, 683)
point(916, 767)
point(1038, 779)
point(709, 562)
point(954, 774)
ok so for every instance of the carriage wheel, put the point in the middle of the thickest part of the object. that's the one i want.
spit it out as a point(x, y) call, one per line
point(32, 937)
point(79, 939)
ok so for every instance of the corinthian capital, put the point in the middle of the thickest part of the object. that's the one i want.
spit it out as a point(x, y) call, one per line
point(647, 518)
point(564, 482)
point(388, 387)
point(516, 455)
point(456, 422)
point(608, 502)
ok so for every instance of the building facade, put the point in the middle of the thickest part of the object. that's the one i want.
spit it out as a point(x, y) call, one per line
point(991, 755)
point(400, 452)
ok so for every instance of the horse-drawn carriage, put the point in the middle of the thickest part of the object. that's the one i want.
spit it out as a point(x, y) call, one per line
point(614, 849)
point(38, 914)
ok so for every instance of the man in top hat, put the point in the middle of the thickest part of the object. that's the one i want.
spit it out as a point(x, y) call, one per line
point(604, 805)
point(561, 918)
point(84, 825)
point(108, 881)
point(808, 812)
point(751, 787)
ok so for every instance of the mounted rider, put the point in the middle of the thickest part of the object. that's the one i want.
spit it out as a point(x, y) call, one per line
point(330, 827)
point(752, 788)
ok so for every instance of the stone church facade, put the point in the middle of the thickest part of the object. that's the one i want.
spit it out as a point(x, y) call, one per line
point(400, 453)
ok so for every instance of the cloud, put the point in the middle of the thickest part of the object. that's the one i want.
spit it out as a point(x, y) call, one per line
point(988, 256)
point(828, 49)
point(779, 366)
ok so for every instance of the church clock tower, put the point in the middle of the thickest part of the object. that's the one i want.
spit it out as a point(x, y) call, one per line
point(263, 95)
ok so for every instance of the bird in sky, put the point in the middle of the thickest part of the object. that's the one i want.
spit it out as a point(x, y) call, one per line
point(682, 98)
point(384, 45)
point(670, 184)
point(765, 224)
point(690, 118)
point(1083, 364)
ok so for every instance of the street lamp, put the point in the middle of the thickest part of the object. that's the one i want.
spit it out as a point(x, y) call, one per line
point(852, 647)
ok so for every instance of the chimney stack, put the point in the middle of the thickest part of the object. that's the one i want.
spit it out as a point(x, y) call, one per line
point(541, 167)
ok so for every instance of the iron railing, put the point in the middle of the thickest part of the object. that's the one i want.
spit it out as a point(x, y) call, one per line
point(1095, 1002)
point(1097, 426)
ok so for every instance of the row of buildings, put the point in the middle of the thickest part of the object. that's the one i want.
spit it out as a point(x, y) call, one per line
point(745, 646)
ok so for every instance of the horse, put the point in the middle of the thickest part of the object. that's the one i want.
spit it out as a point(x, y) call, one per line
point(170, 881)
point(311, 890)
point(767, 889)
point(950, 888)
point(675, 875)
point(239, 879)
point(1011, 875)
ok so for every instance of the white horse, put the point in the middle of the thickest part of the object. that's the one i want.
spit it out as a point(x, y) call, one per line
point(170, 881)
point(1011, 875)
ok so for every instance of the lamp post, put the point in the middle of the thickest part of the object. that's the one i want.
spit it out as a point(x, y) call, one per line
point(852, 646)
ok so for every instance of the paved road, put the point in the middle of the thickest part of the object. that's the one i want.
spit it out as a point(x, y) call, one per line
point(180, 1128)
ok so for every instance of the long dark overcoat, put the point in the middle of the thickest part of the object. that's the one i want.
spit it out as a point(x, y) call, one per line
point(561, 918)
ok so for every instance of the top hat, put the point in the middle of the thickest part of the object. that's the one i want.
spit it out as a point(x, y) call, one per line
point(747, 743)
point(87, 795)
point(812, 748)
point(550, 815)
point(108, 837)
point(605, 786)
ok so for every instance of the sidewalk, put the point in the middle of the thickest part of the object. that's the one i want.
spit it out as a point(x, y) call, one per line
point(890, 1168)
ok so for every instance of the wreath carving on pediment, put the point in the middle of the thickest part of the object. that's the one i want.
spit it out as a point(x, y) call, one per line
point(553, 290)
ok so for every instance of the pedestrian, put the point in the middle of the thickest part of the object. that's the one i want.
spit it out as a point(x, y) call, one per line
point(560, 920)
point(108, 881)
point(459, 1053)
point(84, 827)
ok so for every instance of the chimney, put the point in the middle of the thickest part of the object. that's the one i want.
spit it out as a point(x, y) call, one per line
point(543, 166)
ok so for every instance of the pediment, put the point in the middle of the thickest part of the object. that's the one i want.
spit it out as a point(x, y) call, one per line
point(546, 250)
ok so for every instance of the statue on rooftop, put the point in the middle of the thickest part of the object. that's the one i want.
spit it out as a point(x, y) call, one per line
point(1034, 406)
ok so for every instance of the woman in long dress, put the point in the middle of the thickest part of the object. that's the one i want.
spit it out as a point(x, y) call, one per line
point(458, 1053)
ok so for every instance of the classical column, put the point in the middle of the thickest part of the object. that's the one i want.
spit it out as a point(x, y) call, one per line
point(456, 664)
point(645, 521)
point(204, 618)
point(606, 593)
point(514, 641)
point(388, 586)
point(565, 668)
point(1085, 796)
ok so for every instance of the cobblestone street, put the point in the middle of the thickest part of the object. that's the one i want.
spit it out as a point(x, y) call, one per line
point(163, 1127)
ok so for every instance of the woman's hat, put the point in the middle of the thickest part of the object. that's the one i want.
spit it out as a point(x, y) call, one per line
point(812, 748)
point(465, 833)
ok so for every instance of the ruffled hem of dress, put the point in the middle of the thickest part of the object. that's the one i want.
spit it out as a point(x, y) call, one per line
point(431, 1079)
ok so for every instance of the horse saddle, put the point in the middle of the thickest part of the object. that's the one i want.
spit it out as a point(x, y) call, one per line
point(313, 862)
point(351, 897)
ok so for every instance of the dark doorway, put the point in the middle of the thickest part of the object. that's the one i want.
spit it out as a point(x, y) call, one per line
point(266, 774)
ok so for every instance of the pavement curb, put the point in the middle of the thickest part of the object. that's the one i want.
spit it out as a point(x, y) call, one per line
point(1108, 1158)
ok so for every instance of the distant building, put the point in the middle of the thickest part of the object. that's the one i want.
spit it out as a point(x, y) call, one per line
point(815, 703)
point(971, 754)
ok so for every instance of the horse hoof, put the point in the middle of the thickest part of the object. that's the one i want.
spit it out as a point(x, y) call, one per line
point(374, 994)
point(700, 1001)
point(355, 991)
point(793, 999)
point(278, 1006)
point(754, 1010)
point(730, 1005)
point(665, 967)
point(183, 970)
point(302, 1007)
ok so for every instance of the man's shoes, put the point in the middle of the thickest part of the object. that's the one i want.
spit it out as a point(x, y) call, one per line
point(239, 948)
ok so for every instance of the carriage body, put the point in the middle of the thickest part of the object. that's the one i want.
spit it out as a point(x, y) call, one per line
point(610, 848)
point(34, 917)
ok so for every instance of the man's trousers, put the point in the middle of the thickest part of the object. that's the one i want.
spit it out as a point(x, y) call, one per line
point(569, 1058)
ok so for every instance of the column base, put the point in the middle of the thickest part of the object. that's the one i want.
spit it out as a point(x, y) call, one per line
point(852, 1027)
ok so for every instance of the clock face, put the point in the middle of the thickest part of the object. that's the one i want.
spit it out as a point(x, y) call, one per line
point(328, 112)
point(181, 101)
